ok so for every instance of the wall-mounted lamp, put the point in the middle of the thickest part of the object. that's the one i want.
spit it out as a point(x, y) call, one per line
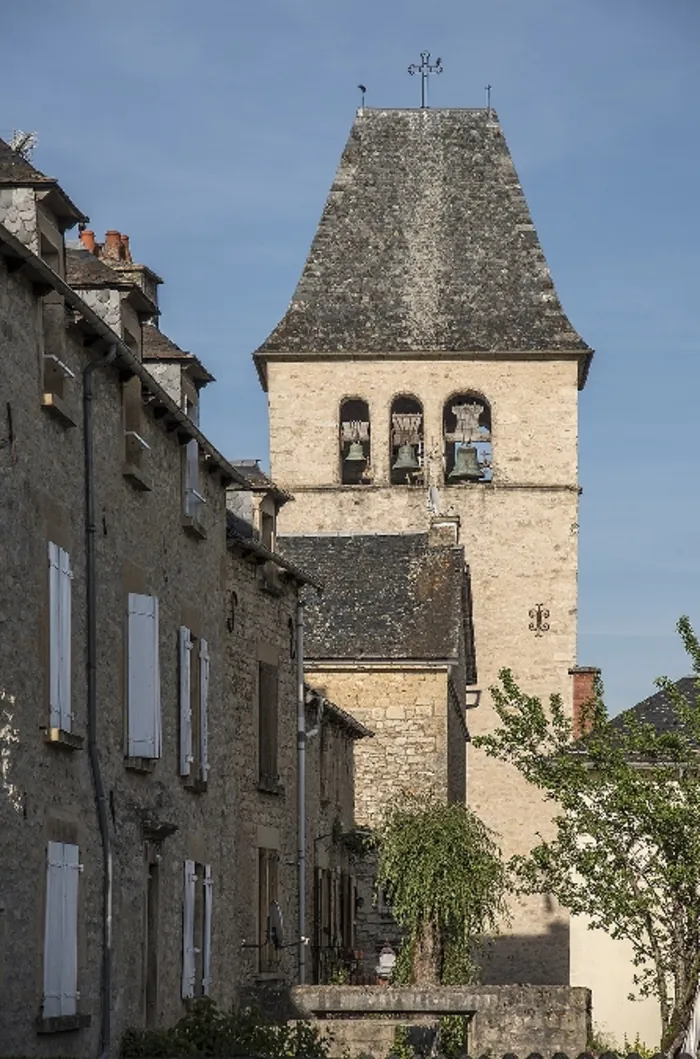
point(473, 698)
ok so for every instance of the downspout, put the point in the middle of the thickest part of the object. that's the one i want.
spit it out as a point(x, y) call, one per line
point(93, 751)
point(301, 790)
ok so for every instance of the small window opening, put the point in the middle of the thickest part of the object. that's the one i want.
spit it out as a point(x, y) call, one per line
point(354, 443)
point(406, 442)
point(467, 438)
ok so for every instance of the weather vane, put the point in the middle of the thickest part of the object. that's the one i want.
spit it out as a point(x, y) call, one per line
point(425, 70)
point(363, 89)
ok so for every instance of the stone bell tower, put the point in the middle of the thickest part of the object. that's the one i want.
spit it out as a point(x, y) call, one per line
point(425, 365)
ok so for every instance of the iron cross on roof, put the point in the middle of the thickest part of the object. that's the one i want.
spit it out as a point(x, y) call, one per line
point(425, 69)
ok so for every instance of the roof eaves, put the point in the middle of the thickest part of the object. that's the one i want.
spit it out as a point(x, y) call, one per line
point(339, 716)
point(253, 547)
point(11, 247)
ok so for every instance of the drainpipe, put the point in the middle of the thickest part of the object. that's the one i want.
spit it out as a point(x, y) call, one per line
point(301, 790)
point(93, 751)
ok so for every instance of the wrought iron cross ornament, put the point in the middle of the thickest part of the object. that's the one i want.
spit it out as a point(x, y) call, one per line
point(539, 623)
point(425, 70)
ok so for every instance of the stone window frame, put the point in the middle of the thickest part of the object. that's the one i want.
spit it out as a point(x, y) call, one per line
point(359, 474)
point(415, 477)
point(448, 451)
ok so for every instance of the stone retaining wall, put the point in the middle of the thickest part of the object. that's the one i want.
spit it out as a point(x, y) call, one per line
point(513, 1018)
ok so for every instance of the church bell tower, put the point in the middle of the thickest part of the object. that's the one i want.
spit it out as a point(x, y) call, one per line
point(425, 366)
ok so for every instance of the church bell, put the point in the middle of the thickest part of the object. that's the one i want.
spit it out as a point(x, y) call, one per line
point(406, 459)
point(466, 466)
point(355, 453)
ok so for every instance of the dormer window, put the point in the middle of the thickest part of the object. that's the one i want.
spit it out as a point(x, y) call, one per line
point(354, 443)
point(467, 439)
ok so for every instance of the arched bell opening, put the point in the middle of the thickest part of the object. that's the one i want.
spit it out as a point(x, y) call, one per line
point(466, 422)
point(406, 441)
point(354, 443)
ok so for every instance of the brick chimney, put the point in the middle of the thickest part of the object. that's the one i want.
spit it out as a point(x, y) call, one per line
point(584, 678)
point(125, 251)
point(87, 238)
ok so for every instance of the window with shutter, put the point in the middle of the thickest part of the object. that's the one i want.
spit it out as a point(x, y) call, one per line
point(143, 685)
point(185, 652)
point(267, 725)
point(188, 930)
point(60, 590)
point(193, 496)
point(61, 931)
point(204, 709)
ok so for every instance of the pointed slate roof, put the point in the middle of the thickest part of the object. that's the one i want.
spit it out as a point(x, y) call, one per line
point(17, 171)
point(426, 244)
point(658, 710)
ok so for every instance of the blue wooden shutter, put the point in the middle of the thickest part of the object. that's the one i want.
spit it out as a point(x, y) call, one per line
point(206, 934)
point(61, 931)
point(60, 585)
point(143, 721)
point(185, 651)
point(204, 708)
point(188, 950)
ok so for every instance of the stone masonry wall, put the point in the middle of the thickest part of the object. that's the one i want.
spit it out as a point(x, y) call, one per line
point(45, 790)
point(520, 535)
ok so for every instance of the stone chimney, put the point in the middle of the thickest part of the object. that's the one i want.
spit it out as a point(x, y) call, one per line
point(111, 249)
point(116, 252)
point(444, 531)
point(584, 678)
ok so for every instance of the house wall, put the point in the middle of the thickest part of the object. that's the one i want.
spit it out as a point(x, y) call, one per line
point(520, 534)
point(45, 789)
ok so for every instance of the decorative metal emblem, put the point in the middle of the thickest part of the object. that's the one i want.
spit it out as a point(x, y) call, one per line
point(425, 70)
point(355, 430)
point(539, 623)
point(406, 428)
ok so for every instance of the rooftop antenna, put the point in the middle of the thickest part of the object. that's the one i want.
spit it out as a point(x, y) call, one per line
point(425, 70)
point(362, 89)
point(24, 143)
point(488, 98)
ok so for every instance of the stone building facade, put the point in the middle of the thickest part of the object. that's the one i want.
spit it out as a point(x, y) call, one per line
point(425, 366)
point(148, 668)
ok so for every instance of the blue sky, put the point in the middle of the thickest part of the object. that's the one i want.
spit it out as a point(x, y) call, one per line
point(210, 133)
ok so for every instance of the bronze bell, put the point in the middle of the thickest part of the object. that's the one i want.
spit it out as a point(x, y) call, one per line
point(406, 459)
point(355, 453)
point(466, 466)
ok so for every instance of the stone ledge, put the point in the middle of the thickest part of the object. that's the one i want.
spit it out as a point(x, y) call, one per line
point(59, 737)
point(63, 1023)
point(445, 1000)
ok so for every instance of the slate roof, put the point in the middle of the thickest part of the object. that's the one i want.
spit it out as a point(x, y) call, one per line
point(426, 244)
point(84, 270)
point(157, 346)
point(658, 711)
point(384, 596)
point(259, 481)
point(15, 169)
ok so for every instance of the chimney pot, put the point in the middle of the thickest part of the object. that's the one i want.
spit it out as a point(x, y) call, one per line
point(126, 251)
point(112, 244)
point(87, 238)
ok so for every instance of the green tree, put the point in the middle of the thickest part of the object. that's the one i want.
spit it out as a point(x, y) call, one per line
point(443, 873)
point(626, 845)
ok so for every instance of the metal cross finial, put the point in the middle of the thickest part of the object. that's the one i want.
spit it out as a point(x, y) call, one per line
point(425, 69)
point(488, 96)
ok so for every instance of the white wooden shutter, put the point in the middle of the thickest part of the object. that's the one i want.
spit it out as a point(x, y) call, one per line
point(192, 478)
point(61, 931)
point(204, 708)
point(144, 722)
point(60, 579)
point(206, 942)
point(185, 701)
point(188, 951)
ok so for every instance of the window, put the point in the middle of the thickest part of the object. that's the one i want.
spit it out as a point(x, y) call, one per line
point(194, 701)
point(354, 442)
point(60, 585)
point(193, 496)
point(348, 898)
point(267, 725)
point(267, 528)
point(61, 931)
point(406, 441)
point(268, 861)
point(196, 930)
point(143, 678)
point(467, 438)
